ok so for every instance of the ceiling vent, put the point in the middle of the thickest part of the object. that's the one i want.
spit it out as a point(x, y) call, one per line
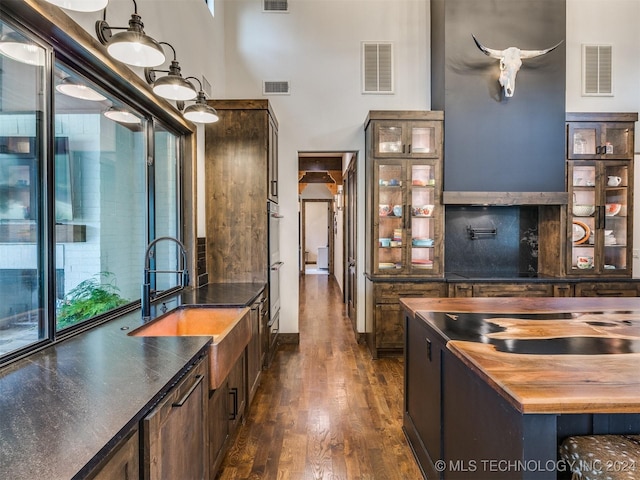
point(377, 67)
point(279, 87)
point(597, 70)
point(277, 6)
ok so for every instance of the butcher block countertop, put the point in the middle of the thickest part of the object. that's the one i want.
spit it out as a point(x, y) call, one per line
point(545, 355)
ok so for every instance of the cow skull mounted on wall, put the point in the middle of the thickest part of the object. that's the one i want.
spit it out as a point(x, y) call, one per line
point(510, 62)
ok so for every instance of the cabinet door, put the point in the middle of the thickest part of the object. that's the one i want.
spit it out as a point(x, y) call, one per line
point(124, 462)
point(237, 393)
point(389, 223)
point(599, 235)
point(254, 350)
point(272, 162)
point(596, 140)
point(418, 139)
point(176, 431)
point(218, 426)
point(389, 326)
point(423, 359)
point(425, 214)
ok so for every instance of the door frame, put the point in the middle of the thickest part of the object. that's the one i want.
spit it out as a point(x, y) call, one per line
point(350, 240)
point(330, 231)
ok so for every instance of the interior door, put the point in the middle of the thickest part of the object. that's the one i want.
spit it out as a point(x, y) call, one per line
point(351, 252)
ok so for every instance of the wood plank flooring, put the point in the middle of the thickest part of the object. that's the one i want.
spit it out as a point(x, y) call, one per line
point(324, 410)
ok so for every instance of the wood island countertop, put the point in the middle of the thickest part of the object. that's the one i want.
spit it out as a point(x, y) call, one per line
point(552, 356)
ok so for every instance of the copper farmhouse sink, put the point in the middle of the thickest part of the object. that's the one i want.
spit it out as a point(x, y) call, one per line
point(229, 327)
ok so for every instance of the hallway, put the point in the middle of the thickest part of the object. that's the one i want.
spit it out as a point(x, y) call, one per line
point(325, 409)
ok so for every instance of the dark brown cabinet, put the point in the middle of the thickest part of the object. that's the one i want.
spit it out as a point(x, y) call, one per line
point(385, 325)
point(423, 395)
point(123, 463)
point(176, 431)
point(226, 408)
point(256, 350)
point(600, 183)
point(500, 289)
point(240, 177)
point(404, 219)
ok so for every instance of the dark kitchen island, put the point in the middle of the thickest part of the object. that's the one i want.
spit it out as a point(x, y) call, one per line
point(493, 385)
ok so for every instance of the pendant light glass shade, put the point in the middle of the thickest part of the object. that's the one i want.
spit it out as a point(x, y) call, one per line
point(174, 87)
point(200, 112)
point(171, 86)
point(80, 5)
point(133, 47)
point(121, 116)
point(79, 90)
point(15, 46)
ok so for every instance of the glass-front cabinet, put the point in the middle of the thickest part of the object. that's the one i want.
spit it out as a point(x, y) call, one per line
point(407, 223)
point(600, 136)
point(405, 215)
point(600, 218)
point(400, 138)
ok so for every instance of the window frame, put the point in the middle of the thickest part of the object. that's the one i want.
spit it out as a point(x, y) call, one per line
point(49, 27)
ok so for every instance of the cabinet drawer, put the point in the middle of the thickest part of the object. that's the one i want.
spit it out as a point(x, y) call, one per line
point(391, 292)
point(502, 290)
point(607, 289)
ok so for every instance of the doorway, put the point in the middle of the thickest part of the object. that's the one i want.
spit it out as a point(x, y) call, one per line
point(317, 236)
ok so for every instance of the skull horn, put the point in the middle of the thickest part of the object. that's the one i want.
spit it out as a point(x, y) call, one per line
point(537, 53)
point(490, 51)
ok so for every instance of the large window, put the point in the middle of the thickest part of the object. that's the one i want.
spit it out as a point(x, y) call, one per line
point(82, 190)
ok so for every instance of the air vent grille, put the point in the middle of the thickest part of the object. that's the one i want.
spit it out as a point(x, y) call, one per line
point(206, 86)
point(377, 68)
point(281, 6)
point(597, 70)
point(279, 87)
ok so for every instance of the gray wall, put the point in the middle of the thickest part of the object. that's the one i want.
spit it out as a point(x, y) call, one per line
point(494, 143)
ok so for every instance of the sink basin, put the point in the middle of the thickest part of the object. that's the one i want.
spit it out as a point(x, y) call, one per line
point(229, 327)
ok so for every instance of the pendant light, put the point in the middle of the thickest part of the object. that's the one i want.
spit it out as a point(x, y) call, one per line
point(133, 47)
point(200, 112)
point(171, 86)
point(17, 47)
point(80, 5)
point(78, 90)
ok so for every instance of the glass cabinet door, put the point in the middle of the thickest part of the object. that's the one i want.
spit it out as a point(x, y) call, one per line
point(600, 217)
point(599, 140)
point(582, 215)
point(390, 225)
point(407, 139)
point(424, 211)
point(616, 209)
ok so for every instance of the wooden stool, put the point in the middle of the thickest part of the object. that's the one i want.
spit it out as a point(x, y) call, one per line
point(602, 457)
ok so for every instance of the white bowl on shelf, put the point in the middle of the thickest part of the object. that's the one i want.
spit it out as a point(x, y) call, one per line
point(581, 210)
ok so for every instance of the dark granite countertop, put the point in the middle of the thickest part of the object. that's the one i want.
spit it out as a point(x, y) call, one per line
point(65, 407)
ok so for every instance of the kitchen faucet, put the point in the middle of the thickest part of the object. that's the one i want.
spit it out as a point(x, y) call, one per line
point(146, 281)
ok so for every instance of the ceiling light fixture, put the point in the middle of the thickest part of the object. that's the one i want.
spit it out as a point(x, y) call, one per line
point(133, 47)
point(80, 5)
point(79, 90)
point(171, 86)
point(200, 112)
point(17, 47)
point(121, 116)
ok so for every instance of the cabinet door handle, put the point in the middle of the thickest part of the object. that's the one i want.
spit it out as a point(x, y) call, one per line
point(234, 393)
point(428, 348)
point(274, 188)
point(181, 402)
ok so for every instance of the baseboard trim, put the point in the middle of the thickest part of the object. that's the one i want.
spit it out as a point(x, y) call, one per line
point(289, 338)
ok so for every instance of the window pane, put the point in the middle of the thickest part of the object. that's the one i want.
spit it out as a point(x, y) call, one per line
point(100, 168)
point(22, 80)
point(166, 205)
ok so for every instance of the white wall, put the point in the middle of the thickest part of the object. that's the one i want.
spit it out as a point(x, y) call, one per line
point(316, 47)
point(316, 228)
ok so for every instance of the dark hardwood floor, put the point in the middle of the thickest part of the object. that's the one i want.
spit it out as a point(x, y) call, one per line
point(325, 409)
